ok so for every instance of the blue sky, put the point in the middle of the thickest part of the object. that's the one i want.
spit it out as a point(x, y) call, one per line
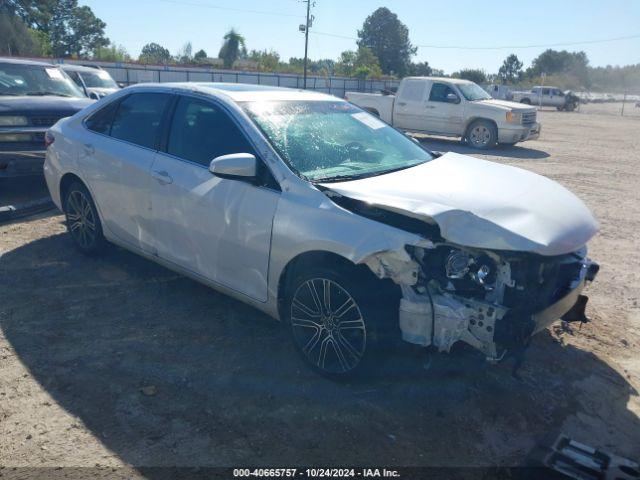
point(478, 23)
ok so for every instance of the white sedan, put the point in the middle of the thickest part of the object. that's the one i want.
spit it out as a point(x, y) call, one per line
point(324, 217)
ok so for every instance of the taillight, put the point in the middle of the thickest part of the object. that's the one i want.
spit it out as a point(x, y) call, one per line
point(48, 138)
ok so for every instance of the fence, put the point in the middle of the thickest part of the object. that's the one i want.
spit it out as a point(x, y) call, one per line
point(129, 73)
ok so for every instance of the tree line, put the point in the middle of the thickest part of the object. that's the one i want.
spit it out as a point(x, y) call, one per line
point(63, 29)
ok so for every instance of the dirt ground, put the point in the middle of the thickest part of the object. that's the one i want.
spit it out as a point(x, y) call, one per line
point(115, 361)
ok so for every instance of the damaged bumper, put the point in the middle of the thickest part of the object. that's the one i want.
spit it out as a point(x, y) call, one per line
point(495, 324)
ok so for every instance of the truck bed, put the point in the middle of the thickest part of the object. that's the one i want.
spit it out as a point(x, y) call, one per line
point(376, 103)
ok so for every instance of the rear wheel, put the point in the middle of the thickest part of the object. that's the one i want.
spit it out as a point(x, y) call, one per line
point(526, 101)
point(482, 134)
point(83, 222)
point(335, 323)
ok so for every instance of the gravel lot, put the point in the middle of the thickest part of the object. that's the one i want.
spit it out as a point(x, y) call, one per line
point(115, 361)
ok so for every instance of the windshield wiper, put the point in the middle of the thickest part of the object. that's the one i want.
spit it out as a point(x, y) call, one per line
point(339, 178)
point(42, 94)
point(344, 178)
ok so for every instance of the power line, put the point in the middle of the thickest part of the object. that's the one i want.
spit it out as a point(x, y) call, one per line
point(543, 45)
point(243, 10)
point(502, 47)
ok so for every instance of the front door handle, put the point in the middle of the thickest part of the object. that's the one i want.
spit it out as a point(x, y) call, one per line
point(162, 177)
point(430, 106)
point(402, 104)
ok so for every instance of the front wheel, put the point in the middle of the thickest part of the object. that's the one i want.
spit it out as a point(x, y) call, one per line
point(482, 134)
point(83, 223)
point(334, 322)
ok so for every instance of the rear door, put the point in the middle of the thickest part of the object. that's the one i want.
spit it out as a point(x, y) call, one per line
point(116, 160)
point(218, 228)
point(443, 115)
point(409, 108)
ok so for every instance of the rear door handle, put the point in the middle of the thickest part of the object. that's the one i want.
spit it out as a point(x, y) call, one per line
point(429, 106)
point(88, 149)
point(162, 177)
point(402, 104)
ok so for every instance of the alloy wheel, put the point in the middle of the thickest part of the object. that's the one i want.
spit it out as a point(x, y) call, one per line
point(328, 326)
point(80, 219)
point(480, 136)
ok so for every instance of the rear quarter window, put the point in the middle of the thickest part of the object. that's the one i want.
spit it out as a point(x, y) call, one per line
point(138, 118)
point(100, 121)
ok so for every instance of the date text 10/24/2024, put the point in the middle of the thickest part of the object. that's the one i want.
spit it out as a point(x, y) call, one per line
point(315, 473)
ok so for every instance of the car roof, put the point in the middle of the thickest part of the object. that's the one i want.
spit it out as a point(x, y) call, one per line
point(242, 92)
point(21, 61)
point(80, 68)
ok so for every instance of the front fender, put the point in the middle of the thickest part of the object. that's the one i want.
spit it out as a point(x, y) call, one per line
point(309, 221)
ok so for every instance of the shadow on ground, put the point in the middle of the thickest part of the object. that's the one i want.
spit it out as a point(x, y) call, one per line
point(230, 390)
point(519, 151)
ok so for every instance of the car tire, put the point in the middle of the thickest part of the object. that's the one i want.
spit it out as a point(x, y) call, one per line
point(344, 335)
point(526, 101)
point(83, 222)
point(482, 134)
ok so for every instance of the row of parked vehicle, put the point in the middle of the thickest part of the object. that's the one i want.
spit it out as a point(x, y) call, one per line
point(316, 211)
point(33, 97)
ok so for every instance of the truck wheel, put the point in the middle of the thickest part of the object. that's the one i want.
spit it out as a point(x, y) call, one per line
point(482, 134)
point(526, 101)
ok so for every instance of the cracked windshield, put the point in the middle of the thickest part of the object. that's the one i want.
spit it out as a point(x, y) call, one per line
point(332, 141)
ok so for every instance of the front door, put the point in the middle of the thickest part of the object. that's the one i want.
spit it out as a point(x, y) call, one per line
point(218, 228)
point(443, 115)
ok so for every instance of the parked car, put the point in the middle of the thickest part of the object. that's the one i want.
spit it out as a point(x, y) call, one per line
point(452, 107)
point(33, 96)
point(499, 92)
point(547, 97)
point(94, 82)
point(323, 216)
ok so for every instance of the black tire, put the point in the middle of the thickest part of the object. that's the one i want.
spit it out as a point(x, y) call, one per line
point(526, 101)
point(83, 222)
point(482, 134)
point(353, 327)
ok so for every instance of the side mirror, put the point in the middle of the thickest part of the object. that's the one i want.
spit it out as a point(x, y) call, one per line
point(237, 166)
point(452, 98)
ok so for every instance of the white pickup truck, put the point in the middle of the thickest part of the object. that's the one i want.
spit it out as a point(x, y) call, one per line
point(452, 107)
point(541, 96)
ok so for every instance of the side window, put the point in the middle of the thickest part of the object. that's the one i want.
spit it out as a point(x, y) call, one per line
point(138, 118)
point(439, 92)
point(413, 90)
point(101, 120)
point(200, 132)
point(545, 91)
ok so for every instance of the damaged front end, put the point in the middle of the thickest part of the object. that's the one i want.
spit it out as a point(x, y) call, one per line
point(502, 253)
point(493, 301)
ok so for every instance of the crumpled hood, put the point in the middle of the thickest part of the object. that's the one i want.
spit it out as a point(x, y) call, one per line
point(482, 204)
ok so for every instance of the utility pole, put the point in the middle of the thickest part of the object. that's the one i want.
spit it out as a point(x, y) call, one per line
point(306, 38)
